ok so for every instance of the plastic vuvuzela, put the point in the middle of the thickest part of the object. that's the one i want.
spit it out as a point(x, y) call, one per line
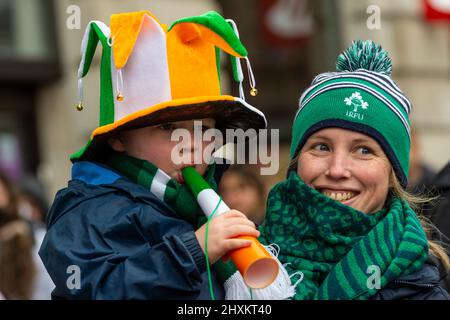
point(257, 267)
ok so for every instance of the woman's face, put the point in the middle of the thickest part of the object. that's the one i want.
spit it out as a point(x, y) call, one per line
point(4, 196)
point(347, 166)
point(241, 195)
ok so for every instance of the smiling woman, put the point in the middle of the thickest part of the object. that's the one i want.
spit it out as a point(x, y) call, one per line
point(342, 211)
point(351, 168)
point(346, 166)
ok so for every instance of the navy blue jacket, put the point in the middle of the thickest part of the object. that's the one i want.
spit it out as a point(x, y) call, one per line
point(421, 285)
point(441, 212)
point(126, 243)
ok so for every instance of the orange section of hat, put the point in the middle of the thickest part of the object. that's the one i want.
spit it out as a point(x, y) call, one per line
point(192, 62)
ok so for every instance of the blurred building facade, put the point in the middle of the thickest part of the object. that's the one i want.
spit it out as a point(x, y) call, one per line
point(28, 61)
point(289, 42)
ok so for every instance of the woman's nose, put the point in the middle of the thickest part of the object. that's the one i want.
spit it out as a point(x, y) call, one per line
point(338, 166)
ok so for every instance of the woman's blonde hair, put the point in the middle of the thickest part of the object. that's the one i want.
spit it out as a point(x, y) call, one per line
point(415, 202)
point(17, 270)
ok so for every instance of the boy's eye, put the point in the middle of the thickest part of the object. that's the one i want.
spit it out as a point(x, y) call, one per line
point(167, 126)
point(321, 147)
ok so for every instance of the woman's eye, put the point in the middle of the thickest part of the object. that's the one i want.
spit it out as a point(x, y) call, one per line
point(321, 147)
point(364, 150)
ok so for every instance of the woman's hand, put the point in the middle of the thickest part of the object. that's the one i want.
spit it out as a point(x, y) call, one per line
point(221, 231)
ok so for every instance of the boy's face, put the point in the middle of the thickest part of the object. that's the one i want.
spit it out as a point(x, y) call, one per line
point(155, 145)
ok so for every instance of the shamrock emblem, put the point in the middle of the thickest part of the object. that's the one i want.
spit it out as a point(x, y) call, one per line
point(357, 101)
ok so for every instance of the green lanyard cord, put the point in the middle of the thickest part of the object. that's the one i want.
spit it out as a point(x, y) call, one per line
point(208, 269)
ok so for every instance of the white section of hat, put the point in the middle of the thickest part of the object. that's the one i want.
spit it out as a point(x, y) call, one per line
point(146, 79)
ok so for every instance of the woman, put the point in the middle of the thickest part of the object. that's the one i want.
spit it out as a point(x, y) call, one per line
point(16, 243)
point(342, 220)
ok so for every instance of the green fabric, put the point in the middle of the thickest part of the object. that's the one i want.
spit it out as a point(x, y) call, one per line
point(211, 20)
point(234, 68)
point(360, 97)
point(215, 22)
point(330, 105)
point(217, 49)
point(177, 196)
point(94, 37)
point(106, 86)
point(362, 54)
point(376, 103)
point(333, 245)
point(80, 153)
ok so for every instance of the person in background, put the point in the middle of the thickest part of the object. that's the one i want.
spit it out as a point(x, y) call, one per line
point(33, 207)
point(32, 202)
point(242, 189)
point(423, 180)
point(441, 212)
point(16, 242)
point(421, 176)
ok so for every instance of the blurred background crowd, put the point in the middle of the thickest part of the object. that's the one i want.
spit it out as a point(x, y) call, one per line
point(289, 41)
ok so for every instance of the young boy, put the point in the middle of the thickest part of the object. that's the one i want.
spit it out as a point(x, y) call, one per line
point(126, 227)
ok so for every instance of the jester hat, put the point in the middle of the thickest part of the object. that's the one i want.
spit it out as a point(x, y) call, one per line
point(151, 74)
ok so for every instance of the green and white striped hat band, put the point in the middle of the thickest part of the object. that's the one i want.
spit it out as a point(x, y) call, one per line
point(360, 100)
point(365, 80)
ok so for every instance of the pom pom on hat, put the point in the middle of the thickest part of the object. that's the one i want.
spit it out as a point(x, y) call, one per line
point(365, 55)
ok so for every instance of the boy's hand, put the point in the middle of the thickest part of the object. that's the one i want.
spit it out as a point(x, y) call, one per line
point(221, 231)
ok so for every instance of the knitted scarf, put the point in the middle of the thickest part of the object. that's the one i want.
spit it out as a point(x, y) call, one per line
point(176, 195)
point(337, 248)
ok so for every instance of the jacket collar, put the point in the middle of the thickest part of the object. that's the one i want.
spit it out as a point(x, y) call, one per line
point(94, 173)
point(110, 180)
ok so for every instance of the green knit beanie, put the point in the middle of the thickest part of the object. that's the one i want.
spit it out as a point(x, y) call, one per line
point(361, 97)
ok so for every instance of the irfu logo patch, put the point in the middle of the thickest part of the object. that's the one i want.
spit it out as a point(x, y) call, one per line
point(357, 102)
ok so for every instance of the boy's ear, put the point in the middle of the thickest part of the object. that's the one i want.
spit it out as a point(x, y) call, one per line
point(116, 144)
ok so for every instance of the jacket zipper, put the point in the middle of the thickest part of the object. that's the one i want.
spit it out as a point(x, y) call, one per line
point(423, 285)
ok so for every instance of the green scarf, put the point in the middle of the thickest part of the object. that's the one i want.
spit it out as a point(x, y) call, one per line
point(333, 245)
point(176, 195)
